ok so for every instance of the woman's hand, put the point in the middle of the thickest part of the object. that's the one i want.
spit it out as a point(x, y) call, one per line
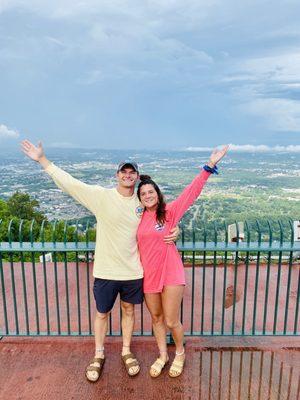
point(217, 155)
point(173, 236)
point(36, 153)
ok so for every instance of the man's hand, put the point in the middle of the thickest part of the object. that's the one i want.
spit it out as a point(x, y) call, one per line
point(217, 155)
point(32, 151)
point(174, 233)
point(36, 153)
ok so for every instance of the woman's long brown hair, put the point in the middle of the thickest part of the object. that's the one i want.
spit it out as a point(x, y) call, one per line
point(161, 206)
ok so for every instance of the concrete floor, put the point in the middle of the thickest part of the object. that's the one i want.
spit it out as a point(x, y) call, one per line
point(216, 368)
point(223, 368)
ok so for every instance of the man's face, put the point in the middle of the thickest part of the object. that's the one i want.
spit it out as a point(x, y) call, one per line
point(127, 177)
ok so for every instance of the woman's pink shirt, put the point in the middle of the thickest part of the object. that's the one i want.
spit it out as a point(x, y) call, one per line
point(161, 262)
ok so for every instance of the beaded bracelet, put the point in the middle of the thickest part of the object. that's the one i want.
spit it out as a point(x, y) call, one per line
point(213, 170)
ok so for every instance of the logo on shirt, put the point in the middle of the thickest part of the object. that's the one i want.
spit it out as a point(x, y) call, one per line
point(159, 227)
point(139, 211)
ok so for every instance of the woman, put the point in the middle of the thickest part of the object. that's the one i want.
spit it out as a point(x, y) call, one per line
point(163, 269)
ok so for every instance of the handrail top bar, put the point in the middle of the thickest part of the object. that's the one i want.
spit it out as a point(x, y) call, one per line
point(186, 246)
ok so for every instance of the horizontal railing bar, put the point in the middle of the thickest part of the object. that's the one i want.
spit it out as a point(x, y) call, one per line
point(138, 334)
point(187, 246)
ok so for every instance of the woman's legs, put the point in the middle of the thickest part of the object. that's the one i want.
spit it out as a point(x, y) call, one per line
point(154, 304)
point(171, 300)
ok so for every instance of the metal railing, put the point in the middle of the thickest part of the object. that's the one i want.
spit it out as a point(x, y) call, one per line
point(46, 284)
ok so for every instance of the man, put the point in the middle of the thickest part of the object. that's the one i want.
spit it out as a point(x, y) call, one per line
point(117, 268)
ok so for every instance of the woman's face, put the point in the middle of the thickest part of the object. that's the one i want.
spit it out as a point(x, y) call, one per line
point(149, 197)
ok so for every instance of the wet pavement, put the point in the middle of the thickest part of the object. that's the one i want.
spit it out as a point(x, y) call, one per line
point(216, 368)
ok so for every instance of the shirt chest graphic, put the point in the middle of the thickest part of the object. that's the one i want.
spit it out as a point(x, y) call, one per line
point(139, 211)
point(159, 227)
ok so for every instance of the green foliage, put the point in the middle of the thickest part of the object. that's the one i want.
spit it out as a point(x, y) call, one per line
point(21, 206)
point(4, 212)
point(21, 221)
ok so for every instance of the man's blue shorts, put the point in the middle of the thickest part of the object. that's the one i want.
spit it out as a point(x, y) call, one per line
point(107, 290)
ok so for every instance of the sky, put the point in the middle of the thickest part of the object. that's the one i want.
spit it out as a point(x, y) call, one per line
point(162, 74)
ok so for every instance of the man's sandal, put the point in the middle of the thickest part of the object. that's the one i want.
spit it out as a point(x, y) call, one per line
point(130, 364)
point(157, 367)
point(177, 366)
point(97, 368)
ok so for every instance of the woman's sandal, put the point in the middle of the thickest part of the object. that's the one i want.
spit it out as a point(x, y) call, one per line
point(130, 364)
point(97, 368)
point(157, 366)
point(177, 366)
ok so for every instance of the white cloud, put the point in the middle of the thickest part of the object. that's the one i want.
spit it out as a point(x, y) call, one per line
point(55, 41)
point(122, 39)
point(6, 132)
point(267, 87)
point(190, 45)
point(155, 10)
point(64, 145)
point(249, 148)
point(280, 68)
point(280, 114)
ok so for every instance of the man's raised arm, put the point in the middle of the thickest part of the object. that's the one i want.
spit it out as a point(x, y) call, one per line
point(36, 153)
point(87, 195)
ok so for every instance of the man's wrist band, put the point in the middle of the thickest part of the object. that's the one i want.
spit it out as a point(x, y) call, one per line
point(213, 170)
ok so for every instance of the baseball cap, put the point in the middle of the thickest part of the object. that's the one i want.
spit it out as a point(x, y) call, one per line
point(131, 164)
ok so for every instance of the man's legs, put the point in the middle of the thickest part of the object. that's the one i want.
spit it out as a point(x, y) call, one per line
point(105, 294)
point(127, 330)
point(100, 329)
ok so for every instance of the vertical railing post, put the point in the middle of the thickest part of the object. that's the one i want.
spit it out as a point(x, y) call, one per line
point(267, 279)
point(214, 280)
point(12, 272)
point(67, 280)
point(36, 303)
point(278, 279)
point(42, 232)
point(4, 304)
point(247, 233)
point(193, 280)
point(10, 232)
point(23, 276)
point(87, 240)
point(236, 264)
point(57, 299)
point(256, 277)
point(77, 279)
point(46, 282)
point(286, 311)
point(181, 305)
point(203, 279)
point(224, 279)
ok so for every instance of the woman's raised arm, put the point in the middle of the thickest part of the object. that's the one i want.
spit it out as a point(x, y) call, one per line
point(189, 195)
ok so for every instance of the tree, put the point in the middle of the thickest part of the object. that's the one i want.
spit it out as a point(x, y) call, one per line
point(4, 212)
point(20, 205)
